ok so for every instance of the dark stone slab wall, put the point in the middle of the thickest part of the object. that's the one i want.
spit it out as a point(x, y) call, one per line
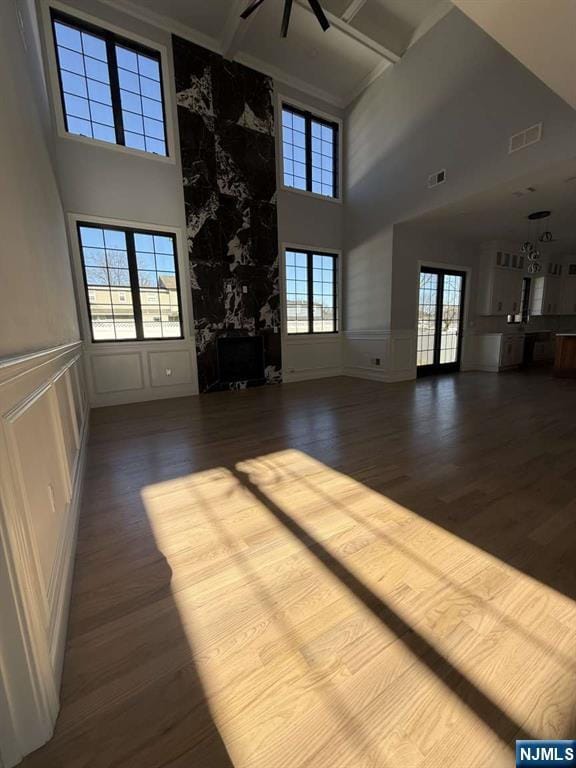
point(226, 125)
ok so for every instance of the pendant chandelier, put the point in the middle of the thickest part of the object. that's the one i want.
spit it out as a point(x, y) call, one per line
point(531, 247)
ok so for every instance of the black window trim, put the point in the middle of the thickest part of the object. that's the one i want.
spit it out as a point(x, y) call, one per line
point(310, 253)
point(308, 118)
point(134, 286)
point(111, 39)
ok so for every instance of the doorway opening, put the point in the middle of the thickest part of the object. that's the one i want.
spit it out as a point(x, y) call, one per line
point(440, 317)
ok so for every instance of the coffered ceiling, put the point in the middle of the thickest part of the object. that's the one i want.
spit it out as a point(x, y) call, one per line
point(365, 37)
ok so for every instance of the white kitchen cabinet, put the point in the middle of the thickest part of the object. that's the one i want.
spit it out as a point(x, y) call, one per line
point(546, 296)
point(568, 292)
point(500, 286)
point(511, 350)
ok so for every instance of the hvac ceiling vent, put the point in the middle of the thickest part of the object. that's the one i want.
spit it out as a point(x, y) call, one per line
point(436, 178)
point(525, 138)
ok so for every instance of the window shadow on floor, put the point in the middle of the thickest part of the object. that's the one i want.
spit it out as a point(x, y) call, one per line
point(495, 718)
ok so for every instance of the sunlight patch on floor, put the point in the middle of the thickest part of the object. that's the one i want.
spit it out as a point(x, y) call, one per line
point(289, 621)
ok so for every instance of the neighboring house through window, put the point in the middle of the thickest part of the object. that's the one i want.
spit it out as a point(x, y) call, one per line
point(310, 147)
point(311, 279)
point(111, 87)
point(131, 281)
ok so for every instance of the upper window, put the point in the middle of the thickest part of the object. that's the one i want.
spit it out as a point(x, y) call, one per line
point(111, 88)
point(311, 291)
point(131, 282)
point(309, 152)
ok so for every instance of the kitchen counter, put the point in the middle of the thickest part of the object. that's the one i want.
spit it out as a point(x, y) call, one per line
point(565, 358)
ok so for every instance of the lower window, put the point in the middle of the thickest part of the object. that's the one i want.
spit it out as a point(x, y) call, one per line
point(311, 291)
point(131, 282)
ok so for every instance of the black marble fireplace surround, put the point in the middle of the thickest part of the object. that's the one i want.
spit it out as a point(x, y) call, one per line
point(241, 359)
point(226, 125)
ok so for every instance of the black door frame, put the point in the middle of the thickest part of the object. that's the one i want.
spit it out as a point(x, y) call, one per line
point(437, 366)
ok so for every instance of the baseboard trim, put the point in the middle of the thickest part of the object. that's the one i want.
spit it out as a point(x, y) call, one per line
point(127, 397)
point(388, 377)
point(470, 367)
point(64, 567)
point(307, 374)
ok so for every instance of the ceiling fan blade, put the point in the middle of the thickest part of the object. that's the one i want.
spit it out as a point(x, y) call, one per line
point(251, 8)
point(319, 13)
point(286, 18)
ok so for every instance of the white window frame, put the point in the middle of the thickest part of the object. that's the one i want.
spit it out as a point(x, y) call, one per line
point(299, 338)
point(51, 68)
point(280, 101)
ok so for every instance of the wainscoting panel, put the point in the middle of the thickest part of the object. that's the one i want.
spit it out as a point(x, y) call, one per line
point(311, 357)
point(40, 471)
point(135, 372)
point(43, 428)
point(170, 368)
point(68, 421)
point(381, 355)
point(117, 372)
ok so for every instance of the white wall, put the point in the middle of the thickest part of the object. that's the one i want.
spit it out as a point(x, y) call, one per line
point(37, 308)
point(107, 183)
point(540, 35)
point(396, 347)
point(42, 404)
point(451, 102)
point(314, 222)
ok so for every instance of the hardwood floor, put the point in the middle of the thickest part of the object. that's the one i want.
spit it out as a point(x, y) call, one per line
point(332, 574)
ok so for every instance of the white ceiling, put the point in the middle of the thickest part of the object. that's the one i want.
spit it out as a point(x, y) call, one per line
point(500, 213)
point(365, 37)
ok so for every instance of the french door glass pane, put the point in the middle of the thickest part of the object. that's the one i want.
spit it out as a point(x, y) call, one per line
point(427, 317)
point(451, 301)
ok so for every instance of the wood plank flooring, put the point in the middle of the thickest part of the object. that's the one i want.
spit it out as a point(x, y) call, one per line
point(332, 574)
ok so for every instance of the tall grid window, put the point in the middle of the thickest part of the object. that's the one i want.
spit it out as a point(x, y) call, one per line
point(428, 303)
point(309, 152)
point(131, 283)
point(111, 88)
point(311, 291)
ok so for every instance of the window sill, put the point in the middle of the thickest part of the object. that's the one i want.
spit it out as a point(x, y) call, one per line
point(123, 344)
point(314, 195)
point(312, 338)
point(62, 134)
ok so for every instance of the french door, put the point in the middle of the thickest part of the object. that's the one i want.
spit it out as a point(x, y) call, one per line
point(440, 312)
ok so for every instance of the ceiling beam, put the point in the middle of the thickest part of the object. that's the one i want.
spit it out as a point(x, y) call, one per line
point(352, 32)
point(235, 29)
point(352, 9)
point(429, 21)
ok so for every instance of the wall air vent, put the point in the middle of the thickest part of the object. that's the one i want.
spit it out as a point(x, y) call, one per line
point(436, 178)
point(525, 138)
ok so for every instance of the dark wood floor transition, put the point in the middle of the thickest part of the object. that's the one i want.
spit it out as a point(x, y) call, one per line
point(332, 574)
